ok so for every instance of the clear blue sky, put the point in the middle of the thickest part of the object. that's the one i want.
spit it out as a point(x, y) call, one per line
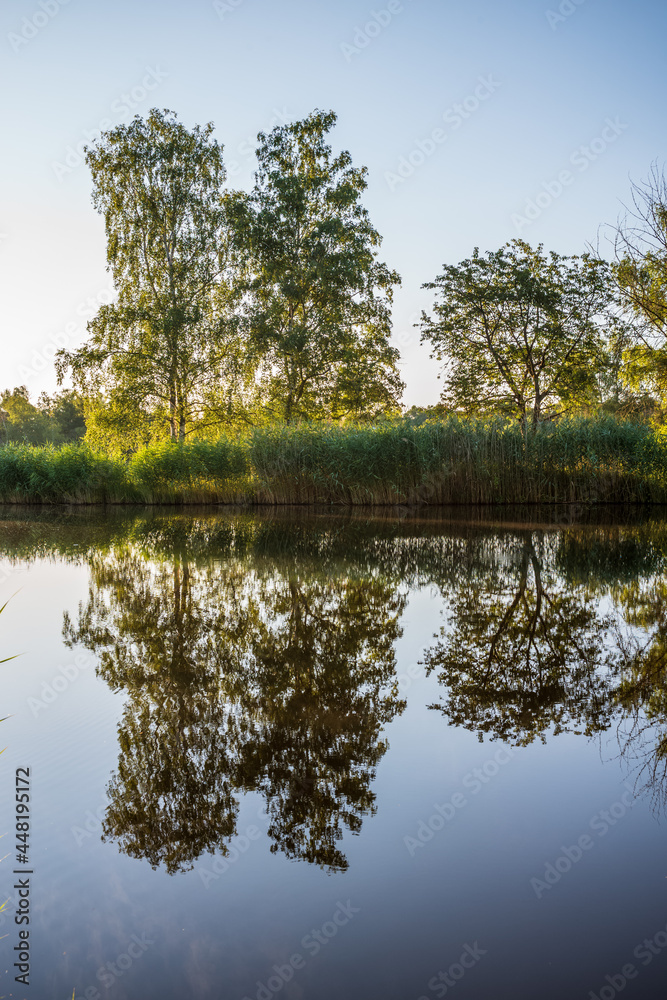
point(532, 88)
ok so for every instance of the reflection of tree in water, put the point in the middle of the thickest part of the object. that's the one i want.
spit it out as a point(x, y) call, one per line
point(527, 649)
point(241, 681)
point(522, 651)
point(316, 697)
point(642, 684)
point(273, 670)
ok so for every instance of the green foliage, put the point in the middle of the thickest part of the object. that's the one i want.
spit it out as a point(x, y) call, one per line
point(55, 419)
point(641, 252)
point(170, 339)
point(65, 409)
point(205, 471)
point(449, 461)
point(232, 308)
point(69, 474)
point(461, 461)
point(22, 421)
point(640, 269)
point(318, 302)
point(118, 428)
point(521, 333)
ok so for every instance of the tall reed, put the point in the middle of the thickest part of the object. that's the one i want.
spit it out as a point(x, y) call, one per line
point(450, 461)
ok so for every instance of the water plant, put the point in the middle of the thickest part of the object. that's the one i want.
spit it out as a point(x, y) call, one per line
point(453, 460)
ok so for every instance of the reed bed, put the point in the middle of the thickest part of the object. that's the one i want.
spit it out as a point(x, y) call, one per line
point(450, 461)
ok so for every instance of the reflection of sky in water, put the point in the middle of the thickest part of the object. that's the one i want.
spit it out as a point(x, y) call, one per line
point(424, 886)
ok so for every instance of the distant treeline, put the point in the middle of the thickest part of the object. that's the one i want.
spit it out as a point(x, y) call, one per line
point(57, 419)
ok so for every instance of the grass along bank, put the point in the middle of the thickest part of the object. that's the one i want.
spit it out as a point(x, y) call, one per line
point(450, 461)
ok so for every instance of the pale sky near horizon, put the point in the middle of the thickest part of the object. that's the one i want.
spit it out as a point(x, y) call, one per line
point(470, 117)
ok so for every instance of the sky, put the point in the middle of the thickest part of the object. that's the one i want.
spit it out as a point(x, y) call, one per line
point(479, 122)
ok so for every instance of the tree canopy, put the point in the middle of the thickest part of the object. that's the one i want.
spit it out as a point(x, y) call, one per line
point(640, 269)
point(55, 419)
point(232, 306)
point(520, 331)
point(274, 305)
point(318, 307)
point(169, 341)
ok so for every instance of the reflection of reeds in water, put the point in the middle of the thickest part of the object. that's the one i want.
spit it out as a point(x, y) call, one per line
point(7, 658)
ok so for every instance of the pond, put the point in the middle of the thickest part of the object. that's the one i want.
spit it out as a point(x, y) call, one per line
point(403, 754)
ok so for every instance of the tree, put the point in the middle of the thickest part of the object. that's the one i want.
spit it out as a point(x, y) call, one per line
point(640, 269)
point(170, 339)
point(520, 332)
point(316, 690)
point(24, 421)
point(259, 678)
point(119, 426)
point(319, 301)
point(641, 690)
point(66, 411)
point(522, 650)
point(55, 419)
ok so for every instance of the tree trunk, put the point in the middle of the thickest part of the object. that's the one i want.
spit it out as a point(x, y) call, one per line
point(172, 412)
point(537, 405)
point(182, 415)
point(537, 410)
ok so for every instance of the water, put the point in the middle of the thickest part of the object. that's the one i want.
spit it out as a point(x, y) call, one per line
point(294, 755)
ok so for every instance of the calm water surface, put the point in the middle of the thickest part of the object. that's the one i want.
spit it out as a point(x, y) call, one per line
point(298, 755)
